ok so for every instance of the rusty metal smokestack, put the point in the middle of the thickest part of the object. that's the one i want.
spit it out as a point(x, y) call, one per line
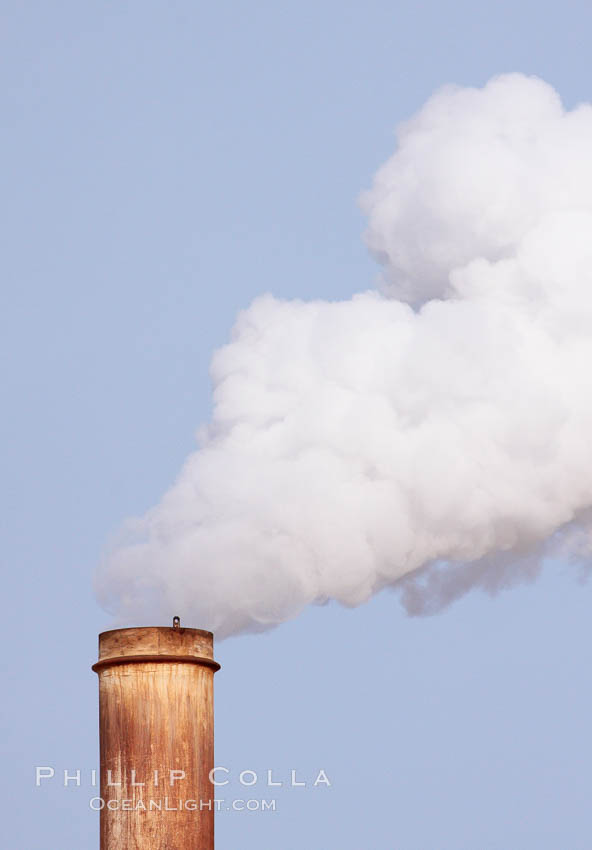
point(156, 719)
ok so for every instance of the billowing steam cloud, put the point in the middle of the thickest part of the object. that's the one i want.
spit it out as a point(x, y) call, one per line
point(440, 427)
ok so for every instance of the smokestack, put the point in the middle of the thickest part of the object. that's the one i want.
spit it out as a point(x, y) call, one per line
point(156, 719)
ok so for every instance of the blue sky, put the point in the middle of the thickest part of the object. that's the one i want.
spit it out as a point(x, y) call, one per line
point(163, 165)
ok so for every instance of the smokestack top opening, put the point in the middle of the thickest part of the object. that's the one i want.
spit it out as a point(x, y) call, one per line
point(156, 644)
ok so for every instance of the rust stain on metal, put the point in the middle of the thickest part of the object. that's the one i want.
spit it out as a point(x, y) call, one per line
point(156, 724)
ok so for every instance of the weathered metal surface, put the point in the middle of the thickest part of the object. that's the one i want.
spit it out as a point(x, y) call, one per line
point(156, 717)
point(155, 640)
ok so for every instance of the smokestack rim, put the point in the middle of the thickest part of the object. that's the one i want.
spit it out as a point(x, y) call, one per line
point(156, 659)
point(154, 645)
point(202, 632)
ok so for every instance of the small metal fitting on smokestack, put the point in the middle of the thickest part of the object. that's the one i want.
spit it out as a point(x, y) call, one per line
point(156, 723)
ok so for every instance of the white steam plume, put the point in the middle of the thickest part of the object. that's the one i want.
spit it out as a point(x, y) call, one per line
point(440, 427)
